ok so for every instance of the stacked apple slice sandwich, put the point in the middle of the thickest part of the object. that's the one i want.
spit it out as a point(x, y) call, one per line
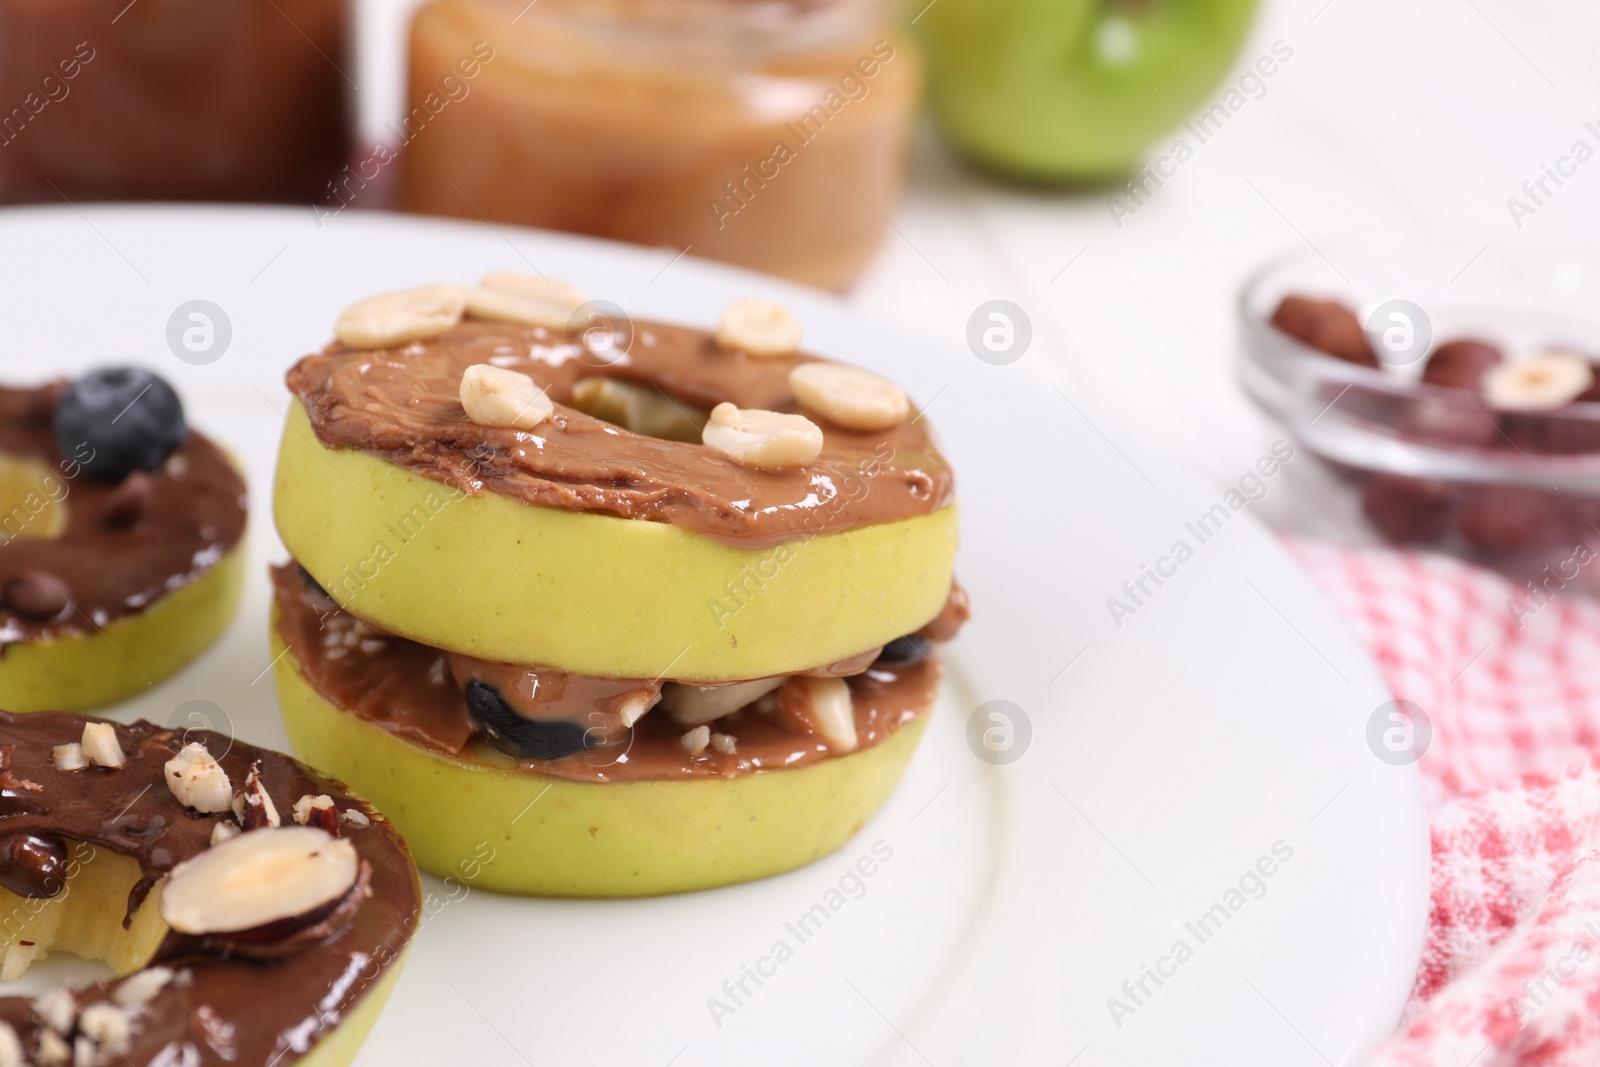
point(594, 607)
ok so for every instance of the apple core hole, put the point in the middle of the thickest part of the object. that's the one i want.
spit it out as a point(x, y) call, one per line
point(639, 408)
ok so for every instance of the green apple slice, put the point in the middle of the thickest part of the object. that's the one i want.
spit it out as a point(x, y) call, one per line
point(495, 578)
point(553, 837)
point(94, 667)
point(87, 922)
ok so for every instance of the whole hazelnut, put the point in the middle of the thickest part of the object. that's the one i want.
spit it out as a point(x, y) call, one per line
point(1514, 518)
point(35, 594)
point(1409, 510)
point(1326, 325)
point(1460, 364)
point(128, 502)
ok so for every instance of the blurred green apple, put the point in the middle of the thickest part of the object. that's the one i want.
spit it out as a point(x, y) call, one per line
point(1073, 90)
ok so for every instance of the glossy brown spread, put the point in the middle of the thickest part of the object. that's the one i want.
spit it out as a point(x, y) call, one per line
point(404, 405)
point(221, 1008)
point(105, 565)
point(408, 689)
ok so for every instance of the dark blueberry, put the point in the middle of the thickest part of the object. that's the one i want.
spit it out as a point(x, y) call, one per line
point(903, 651)
point(524, 738)
point(311, 583)
point(117, 420)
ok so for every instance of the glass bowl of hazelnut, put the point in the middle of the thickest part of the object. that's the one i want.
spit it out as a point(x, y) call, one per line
point(1458, 394)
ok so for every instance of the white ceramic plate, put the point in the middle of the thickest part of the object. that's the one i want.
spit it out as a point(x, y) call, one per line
point(1009, 904)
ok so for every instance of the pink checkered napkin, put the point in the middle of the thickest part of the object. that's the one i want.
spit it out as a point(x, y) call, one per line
point(1511, 685)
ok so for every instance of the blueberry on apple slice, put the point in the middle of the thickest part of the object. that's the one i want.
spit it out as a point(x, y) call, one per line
point(903, 652)
point(116, 420)
point(521, 737)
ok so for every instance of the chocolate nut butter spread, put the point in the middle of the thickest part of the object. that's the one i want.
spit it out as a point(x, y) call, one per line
point(262, 995)
point(416, 692)
point(123, 544)
point(403, 405)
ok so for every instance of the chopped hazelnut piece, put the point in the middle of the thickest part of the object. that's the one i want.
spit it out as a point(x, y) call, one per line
point(825, 705)
point(355, 817)
point(141, 987)
point(69, 757)
point(52, 1049)
point(258, 810)
point(198, 781)
point(19, 957)
point(695, 741)
point(224, 830)
point(726, 744)
point(107, 1025)
point(100, 745)
point(317, 811)
point(57, 1010)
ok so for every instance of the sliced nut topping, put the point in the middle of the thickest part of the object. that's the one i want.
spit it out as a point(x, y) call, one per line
point(69, 757)
point(823, 704)
point(258, 809)
point(1551, 380)
point(854, 398)
point(525, 299)
point(198, 781)
point(258, 878)
point(691, 705)
point(317, 811)
point(57, 1010)
point(221, 831)
point(141, 987)
point(494, 396)
point(726, 744)
point(19, 957)
point(354, 817)
point(107, 1025)
point(695, 741)
point(394, 318)
point(766, 440)
point(100, 746)
point(10, 1047)
point(52, 1049)
point(634, 707)
point(535, 287)
point(759, 327)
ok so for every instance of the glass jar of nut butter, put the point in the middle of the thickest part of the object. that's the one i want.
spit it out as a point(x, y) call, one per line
point(173, 99)
point(768, 133)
